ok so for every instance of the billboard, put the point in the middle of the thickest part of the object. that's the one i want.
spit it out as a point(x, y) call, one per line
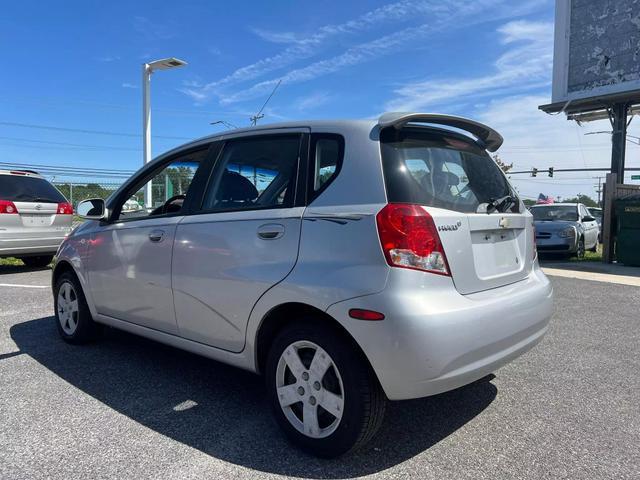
point(596, 50)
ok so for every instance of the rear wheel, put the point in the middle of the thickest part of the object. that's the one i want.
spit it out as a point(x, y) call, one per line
point(323, 393)
point(74, 320)
point(40, 261)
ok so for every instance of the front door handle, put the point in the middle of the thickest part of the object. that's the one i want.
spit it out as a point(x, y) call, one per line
point(156, 235)
point(270, 231)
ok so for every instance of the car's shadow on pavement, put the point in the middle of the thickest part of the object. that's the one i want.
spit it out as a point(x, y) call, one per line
point(222, 411)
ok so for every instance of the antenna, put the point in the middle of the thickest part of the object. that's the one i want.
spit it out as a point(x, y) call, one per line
point(260, 115)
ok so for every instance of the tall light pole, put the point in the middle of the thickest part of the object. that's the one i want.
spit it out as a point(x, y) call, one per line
point(147, 70)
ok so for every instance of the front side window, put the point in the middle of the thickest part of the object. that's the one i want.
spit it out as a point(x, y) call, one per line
point(433, 169)
point(254, 173)
point(169, 188)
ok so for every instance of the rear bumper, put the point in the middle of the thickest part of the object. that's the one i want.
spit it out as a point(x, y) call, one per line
point(11, 247)
point(434, 339)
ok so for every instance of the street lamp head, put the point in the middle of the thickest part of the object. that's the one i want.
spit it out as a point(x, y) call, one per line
point(166, 63)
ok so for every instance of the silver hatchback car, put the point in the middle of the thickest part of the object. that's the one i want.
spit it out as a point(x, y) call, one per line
point(34, 217)
point(349, 262)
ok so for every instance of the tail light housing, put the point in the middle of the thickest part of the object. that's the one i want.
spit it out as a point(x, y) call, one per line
point(410, 239)
point(65, 208)
point(7, 207)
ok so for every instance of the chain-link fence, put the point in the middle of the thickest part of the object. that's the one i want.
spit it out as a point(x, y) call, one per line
point(77, 191)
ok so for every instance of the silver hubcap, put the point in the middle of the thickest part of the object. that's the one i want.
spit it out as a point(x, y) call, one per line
point(68, 308)
point(310, 389)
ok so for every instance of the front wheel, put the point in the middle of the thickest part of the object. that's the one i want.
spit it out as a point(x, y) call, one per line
point(323, 392)
point(73, 317)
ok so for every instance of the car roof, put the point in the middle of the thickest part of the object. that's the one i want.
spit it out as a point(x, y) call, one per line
point(21, 173)
point(490, 138)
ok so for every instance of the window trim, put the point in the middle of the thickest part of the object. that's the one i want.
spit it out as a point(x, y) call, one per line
point(144, 175)
point(312, 193)
point(302, 142)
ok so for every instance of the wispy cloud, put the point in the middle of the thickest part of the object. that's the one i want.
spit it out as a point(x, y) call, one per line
point(526, 64)
point(303, 47)
point(129, 85)
point(441, 15)
point(312, 101)
point(109, 58)
point(152, 30)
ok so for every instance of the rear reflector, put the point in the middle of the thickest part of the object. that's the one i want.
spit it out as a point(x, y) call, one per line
point(7, 207)
point(361, 314)
point(410, 239)
point(65, 208)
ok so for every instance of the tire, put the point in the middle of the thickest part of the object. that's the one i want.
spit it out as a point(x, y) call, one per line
point(72, 314)
point(40, 261)
point(349, 389)
point(580, 250)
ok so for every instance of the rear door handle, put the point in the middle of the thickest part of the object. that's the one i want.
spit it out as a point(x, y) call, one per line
point(156, 235)
point(270, 231)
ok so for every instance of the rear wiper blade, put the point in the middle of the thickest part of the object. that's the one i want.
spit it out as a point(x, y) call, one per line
point(44, 200)
point(500, 204)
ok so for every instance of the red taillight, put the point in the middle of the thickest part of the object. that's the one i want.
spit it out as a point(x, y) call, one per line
point(7, 207)
point(65, 208)
point(410, 239)
point(361, 314)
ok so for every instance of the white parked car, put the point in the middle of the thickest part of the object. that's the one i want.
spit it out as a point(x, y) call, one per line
point(349, 262)
point(34, 217)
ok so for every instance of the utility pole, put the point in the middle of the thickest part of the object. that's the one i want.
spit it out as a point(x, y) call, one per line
point(599, 190)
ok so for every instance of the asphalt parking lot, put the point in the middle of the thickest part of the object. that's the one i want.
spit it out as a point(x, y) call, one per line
point(130, 408)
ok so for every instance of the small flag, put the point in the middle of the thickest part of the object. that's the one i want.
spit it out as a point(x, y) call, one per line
point(544, 199)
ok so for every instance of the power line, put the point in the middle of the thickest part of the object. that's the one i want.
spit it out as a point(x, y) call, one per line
point(81, 130)
point(36, 166)
point(83, 145)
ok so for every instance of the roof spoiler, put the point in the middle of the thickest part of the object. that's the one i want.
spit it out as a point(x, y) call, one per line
point(488, 137)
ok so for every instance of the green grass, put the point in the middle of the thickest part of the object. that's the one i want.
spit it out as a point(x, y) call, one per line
point(590, 256)
point(10, 262)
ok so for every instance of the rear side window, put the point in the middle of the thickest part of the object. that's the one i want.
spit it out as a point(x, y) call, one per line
point(328, 150)
point(17, 188)
point(433, 169)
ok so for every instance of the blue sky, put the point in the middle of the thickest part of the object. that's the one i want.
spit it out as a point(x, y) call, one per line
point(76, 65)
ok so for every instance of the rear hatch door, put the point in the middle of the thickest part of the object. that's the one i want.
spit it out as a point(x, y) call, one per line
point(456, 182)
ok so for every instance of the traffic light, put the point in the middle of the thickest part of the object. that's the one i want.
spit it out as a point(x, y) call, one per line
point(551, 171)
point(534, 172)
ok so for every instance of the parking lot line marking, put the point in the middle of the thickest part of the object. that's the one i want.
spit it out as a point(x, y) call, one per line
point(595, 277)
point(22, 286)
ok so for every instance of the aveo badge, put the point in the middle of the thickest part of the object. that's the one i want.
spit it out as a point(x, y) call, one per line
point(450, 228)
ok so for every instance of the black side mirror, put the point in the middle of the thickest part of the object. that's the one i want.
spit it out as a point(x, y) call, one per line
point(588, 218)
point(93, 209)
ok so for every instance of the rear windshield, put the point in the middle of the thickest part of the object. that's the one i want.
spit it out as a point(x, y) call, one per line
point(17, 188)
point(430, 168)
point(568, 213)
